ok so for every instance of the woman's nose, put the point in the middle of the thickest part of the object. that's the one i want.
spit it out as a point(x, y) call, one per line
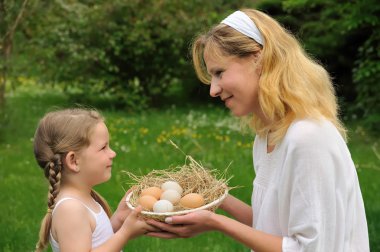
point(215, 89)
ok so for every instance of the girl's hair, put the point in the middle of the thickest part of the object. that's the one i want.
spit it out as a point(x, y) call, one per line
point(292, 85)
point(58, 133)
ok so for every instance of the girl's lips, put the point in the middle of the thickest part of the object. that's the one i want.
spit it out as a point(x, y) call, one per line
point(227, 101)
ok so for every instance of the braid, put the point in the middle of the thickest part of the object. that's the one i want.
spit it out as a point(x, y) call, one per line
point(54, 169)
point(53, 173)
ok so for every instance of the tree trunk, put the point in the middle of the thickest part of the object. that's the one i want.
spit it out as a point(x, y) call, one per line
point(6, 46)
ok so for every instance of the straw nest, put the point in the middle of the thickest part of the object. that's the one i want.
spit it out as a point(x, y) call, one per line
point(192, 177)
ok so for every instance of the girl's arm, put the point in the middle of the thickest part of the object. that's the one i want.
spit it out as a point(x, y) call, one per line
point(122, 211)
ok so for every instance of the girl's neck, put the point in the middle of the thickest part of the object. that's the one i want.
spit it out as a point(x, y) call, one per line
point(72, 191)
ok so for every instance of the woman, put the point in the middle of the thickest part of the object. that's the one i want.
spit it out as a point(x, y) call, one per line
point(306, 194)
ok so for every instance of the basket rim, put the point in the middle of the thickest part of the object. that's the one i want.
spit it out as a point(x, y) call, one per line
point(209, 205)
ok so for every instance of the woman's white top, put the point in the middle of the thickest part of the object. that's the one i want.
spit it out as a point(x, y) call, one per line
point(103, 230)
point(307, 191)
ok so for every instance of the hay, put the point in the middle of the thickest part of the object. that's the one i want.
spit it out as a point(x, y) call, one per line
point(192, 177)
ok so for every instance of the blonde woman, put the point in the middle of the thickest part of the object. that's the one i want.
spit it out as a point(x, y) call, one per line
point(72, 147)
point(306, 194)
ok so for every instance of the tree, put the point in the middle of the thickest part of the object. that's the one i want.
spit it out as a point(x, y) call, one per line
point(10, 18)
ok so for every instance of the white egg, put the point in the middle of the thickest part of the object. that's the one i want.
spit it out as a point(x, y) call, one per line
point(172, 185)
point(172, 195)
point(162, 206)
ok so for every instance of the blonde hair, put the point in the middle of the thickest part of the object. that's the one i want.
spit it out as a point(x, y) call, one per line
point(292, 85)
point(58, 133)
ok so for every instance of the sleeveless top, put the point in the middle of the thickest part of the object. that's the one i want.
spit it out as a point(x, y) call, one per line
point(103, 230)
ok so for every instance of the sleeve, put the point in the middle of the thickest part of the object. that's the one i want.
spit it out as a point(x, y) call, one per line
point(308, 200)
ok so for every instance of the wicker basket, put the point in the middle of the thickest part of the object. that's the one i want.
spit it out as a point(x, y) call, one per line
point(212, 206)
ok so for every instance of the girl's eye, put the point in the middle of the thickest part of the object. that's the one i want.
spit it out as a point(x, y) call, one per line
point(218, 74)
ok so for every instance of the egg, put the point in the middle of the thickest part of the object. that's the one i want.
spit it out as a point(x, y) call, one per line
point(172, 185)
point(152, 191)
point(147, 202)
point(162, 206)
point(172, 195)
point(192, 200)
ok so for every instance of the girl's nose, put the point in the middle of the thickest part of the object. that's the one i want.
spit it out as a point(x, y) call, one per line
point(215, 89)
point(113, 153)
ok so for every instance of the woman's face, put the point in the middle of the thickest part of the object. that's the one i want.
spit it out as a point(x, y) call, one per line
point(236, 81)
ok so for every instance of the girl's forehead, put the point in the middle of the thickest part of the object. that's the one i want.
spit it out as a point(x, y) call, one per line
point(99, 130)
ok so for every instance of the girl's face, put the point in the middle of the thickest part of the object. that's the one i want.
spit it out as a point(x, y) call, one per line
point(95, 161)
point(235, 80)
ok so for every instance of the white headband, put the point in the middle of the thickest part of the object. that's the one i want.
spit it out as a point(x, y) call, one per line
point(242, 23)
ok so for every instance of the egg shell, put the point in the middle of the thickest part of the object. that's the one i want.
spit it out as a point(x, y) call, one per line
point(153, 191)
point(172, 185)
point(147, 202)
point(163, 206)
point(172, 195)
point(192, 200)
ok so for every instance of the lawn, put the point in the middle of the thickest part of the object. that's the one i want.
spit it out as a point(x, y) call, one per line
point(206, 132)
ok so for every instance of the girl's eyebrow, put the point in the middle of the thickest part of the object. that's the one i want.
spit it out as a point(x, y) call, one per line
point(214, 70)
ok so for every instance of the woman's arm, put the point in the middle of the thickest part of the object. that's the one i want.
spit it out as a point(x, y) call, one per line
point(201, 221)
point(238, 209)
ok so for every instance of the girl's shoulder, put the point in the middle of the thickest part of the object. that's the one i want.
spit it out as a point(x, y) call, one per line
point(69, 208)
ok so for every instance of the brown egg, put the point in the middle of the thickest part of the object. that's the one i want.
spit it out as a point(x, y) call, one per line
point(192, 200)
point(152, 191)
point(147, 202)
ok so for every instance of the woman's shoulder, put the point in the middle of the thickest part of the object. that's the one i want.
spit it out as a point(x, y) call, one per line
point(311, 132)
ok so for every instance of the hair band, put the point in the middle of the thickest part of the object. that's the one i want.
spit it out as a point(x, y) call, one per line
point(244, 24)
point(49, 211)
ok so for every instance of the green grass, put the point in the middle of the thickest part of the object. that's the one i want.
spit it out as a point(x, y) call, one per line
point(207, 133)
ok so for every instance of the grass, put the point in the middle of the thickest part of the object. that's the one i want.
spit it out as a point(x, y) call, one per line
point(207, 133)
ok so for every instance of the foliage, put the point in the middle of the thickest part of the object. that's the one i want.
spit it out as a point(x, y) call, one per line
point(132, 53)
point(345, 36)
point(11, 15)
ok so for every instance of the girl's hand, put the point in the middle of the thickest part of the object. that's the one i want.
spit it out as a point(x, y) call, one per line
point(122, 211)
point(135, 226)
point(184, 226)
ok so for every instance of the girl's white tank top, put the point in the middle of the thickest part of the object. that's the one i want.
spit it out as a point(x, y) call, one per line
point(103, 230)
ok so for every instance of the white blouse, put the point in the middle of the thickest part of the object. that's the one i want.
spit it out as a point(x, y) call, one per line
point(307, 191)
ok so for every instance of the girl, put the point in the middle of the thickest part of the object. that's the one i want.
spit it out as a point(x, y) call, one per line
point(72, 148)
point(306, 194)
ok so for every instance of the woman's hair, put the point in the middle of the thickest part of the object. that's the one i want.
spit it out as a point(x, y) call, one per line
point(58, 133)
point(292, 85)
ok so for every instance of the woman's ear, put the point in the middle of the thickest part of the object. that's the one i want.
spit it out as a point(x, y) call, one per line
point(71, 161)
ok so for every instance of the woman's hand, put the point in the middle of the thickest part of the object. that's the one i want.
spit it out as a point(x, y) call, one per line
point(184, 226)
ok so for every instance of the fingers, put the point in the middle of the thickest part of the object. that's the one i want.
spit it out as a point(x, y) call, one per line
point(135, 212)
point(164, 235)
point(180, 219)
point(150, 228)
point(176, 229)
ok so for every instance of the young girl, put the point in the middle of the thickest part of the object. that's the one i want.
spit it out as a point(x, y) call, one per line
point(306, 194)
point(72, 148)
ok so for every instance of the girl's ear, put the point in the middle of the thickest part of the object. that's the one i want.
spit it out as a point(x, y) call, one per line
point(71, 161)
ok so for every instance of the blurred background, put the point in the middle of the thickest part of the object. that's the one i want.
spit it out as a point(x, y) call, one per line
point(131, 60)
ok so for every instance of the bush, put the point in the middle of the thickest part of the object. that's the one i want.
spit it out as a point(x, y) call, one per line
point(135, 52)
